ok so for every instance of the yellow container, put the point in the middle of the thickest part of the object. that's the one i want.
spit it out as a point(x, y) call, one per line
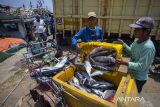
point(87, 47)
point(78, 98)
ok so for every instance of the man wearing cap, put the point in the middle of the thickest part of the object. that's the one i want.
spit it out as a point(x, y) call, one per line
point(40, 29)
point(142, 51)
point(92, 32)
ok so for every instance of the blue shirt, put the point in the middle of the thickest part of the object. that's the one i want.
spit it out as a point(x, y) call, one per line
point(87, 34)
point(142, 56)
point(51, 21)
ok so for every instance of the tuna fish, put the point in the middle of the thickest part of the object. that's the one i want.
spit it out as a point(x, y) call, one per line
point(97, 73)
point(105, 59)
point(102, 58)
point(43, 80)
point(88, 67)
point(50, 71)
point(108, 93)
point(102, 51)
point(95, 86)
point(101, 68)
point(97, 92)
point(76, 81)
point(98, 49)
point(61, 63)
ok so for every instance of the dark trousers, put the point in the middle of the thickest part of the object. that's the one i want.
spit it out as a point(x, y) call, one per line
point(140, 84)
point(43, 36)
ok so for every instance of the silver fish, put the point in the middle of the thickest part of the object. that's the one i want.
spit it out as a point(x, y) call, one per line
point(103, 68)
point(109, 93)
point(61, 63)
point(102, 58)
point(101, 87)
point(79, 76)
point(88, 67)
point(97, 92)
point(75, 80)
point(80, 87)
point(98, 49)
point(97, 72)
point(102, 51)
point(43, 80)
point(108, 85)
point(85, 75)
point(54, 69)
point(93, 62)
point(77, 86)
point(105, 59)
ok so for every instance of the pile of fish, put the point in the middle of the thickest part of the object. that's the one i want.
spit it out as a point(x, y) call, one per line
point(95, 86)
point(103, 58)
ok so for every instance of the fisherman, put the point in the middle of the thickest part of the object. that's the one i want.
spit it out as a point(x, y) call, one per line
point(29, 32)
point(142, 51)
point(51, 25)
point(40, 29)
point(92, 32)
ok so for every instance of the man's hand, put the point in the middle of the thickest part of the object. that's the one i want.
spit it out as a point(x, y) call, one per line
point(77, 47)
point(120, 61)
point(119, 41)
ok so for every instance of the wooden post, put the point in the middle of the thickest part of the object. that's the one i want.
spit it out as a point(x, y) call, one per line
point(150, 6)
point(81, 9)
point(76, 13)
point(72, 20)
point(121, 22)
point(55, 21)
point(158, 31)
point(99, 11)
point(109, 26)
point(135, 10)
point(104, 14)
point(63, 21)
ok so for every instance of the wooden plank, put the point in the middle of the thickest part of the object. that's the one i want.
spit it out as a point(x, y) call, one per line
point(107, 17)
